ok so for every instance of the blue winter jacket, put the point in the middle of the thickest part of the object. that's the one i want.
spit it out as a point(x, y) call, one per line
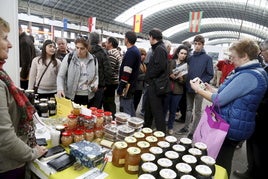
point(240, 113)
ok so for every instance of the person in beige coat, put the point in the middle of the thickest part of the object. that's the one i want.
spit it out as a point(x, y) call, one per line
point(17, 137)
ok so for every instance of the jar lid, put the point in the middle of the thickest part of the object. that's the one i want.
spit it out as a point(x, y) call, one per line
point(195, 151)
point(187, 177)
point(200, 145)
point(203, 170)
point(66, 133)
point(147, 130)
point(42, 104)
point(130, 139)
point(29, 91)
point(93, 108)
point(89, 130)
point(51, 102)
point(107, 113)
point(164, 162)
point(78, 132)
point(156, 150)
point(100, 111)
point(163, 144)
point(60, 127)
point(171, 154)
point(159, 134)
point(147, 157)
point(99, 114)
point(208, 160)
point(120, 145)
point(133, 150)
point(138, 135)
point(184, 167)
point(143, 144)
point(151, 139)
point(149, 167)
point(146, 176)
point(178, 148)
point(88, 117)
point(189, 159)
point(72, 116)
point(171, 139)
point(185, 140)
point(167, 173)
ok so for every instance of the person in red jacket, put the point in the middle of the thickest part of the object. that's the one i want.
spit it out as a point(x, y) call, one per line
point(225, 66)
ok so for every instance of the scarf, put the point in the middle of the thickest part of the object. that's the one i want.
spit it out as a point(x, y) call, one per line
point(26, 125)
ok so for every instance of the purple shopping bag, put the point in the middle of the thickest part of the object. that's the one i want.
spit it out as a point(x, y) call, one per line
point(211, 130)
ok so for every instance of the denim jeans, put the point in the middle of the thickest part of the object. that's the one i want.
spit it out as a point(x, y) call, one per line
point(173, 102)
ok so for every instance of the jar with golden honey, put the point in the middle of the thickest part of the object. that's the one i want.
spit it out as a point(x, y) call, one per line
point(132, 161)
point(89, 135)
point(78, 135)
point(144, 146)
point(139, 136)
point(119, 153)
point(99, 120)
point(66, 138)
point(131, 141)
point(147, 131)
point(159, 135)
point(72, 121)
point(76, 110)
point(152, 140)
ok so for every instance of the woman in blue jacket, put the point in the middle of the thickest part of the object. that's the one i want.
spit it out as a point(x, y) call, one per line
point(238, 97)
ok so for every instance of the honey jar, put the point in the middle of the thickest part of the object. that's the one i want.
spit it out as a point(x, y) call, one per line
point(152, 140)
point(159, 135)
point(119, 153)
point(144, 146)
point(66, 138)
point(139, 136)
point(147, 131)
point(131, 141)
point(132, 161)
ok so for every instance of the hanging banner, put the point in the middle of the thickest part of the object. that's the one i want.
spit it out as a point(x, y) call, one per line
point(91, 24)
point(194, 21)
point(65, 22)
point(137, 23)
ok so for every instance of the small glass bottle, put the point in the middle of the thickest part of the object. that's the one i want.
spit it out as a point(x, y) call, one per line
point(66, 138)
point(78, 135)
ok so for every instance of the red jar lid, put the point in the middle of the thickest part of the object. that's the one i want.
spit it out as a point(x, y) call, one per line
point(99, 115)
point(107, 113)
point(93, 108)
point(71, 116)
point(89, 130)
point(78, 132)
point(66, 133)
point(100, 111)
point(88, 117)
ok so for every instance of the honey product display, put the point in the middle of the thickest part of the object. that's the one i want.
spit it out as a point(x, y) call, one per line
point(201, 146)
point(173, 156)
point(148, 167)
point(190, 159)
point(164, 163)
point(78, 135)
point(186, 142)
point(171, 140)
point(119, 153)
point(164, 145)
point(157, 152)
point(147, 157)
point(203, 172)
point(146, 176)
point(195, 152)
point(132, 160)
point(66, 138)
point(76, 110)
point(180, 149)
point(167, 174)
point(210, 162)
point(183, 169)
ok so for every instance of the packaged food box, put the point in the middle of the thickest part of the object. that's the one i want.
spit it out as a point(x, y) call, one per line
point(135, 122)
point(121, 117)
point(110, 129)
point(125, 130)
point(88, 153)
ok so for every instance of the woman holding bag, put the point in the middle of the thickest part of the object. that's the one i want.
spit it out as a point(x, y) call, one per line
point(44, 71)
point(237, 98)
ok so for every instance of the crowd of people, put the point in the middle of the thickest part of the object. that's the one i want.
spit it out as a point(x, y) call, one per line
point(95, 73)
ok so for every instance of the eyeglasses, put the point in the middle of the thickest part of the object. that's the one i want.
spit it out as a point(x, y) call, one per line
point(82, 37)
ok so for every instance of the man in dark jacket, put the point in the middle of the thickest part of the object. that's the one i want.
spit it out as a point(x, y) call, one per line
point(199, 65)
point(128, 74)
point(105, 70)
point(27, 53)
point(157, 67)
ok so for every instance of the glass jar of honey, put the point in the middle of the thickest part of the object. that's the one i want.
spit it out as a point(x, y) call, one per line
point(131, 141)
point(159, 135)
point(66, 138)
point(119, 153)
point(139, 136)
point(147, 131)
point(144, 146)
point(132, 161)
point(152, 140)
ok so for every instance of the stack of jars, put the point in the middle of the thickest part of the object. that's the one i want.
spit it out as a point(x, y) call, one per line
point(46, 108)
